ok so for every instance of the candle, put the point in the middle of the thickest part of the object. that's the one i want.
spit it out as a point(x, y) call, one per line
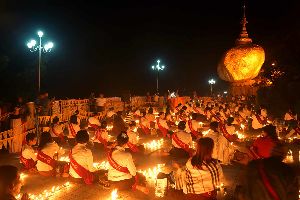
point(114, 194)
point(154, 145)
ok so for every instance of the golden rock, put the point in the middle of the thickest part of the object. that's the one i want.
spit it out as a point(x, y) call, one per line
point(242, 62)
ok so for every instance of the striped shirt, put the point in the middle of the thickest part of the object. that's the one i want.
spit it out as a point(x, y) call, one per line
point(204, 179)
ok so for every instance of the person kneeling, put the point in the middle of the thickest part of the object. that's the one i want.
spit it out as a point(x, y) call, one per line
point(28, 157)
point(81, 160)
point(122, 171)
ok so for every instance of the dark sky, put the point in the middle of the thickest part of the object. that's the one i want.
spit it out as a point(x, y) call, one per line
point(110, 46)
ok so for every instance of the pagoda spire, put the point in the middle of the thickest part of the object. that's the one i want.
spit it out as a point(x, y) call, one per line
point(243, 37)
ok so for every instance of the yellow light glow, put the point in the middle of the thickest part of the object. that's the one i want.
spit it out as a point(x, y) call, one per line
point(114, 194)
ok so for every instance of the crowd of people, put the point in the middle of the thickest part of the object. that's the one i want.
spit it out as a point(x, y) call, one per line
point(214, 125)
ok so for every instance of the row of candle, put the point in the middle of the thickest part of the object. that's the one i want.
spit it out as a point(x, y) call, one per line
point(46, 194)
point(154, 145)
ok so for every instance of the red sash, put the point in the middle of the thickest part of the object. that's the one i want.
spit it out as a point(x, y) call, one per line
point(98, 134)
point(85, 174)
point(262, 122)
point(267, 183)
point(145, 129)
point(215, 116)
point(230, 138)
point(297, 130)
point(118, 167)
point(132, 147)
point(46, 159)
point(60, 136)
point(194, 132)
point(28, 163)
point(73, 132)
point(180, 143)
point(163, 130)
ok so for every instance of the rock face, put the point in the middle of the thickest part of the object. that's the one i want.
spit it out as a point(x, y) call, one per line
point(241, 63)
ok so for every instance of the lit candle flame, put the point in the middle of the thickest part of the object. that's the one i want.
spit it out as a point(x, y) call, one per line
point(114, 194)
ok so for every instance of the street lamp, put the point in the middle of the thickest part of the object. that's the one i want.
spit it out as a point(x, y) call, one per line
point(211, 83)
point(158, 68)
point(32, 45)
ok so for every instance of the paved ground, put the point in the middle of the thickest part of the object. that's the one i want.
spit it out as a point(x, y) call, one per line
point(36, 184)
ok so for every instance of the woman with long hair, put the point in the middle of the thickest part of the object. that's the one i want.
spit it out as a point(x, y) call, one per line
point(203, 174)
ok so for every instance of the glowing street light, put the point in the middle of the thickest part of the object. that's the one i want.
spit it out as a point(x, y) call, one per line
point(158, 68)
point(211, 82)
point(32, 45)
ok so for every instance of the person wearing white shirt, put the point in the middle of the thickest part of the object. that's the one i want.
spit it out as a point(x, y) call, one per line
point(57, 130)
point(181, 137)
point(83, 157)
point(259, 120)
point(162, 121)
point(122, 170)
point(50, 149)
point(193, 124)
point(28, 157)
point(100, 102)
point(223, 150)
point(73, 127)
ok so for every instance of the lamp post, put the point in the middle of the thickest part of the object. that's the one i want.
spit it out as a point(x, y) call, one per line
point(32, 45)
point(158, 68)
point(211, 82)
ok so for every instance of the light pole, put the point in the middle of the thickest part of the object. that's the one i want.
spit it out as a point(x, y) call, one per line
point(158, 68)
point(211, 82)
point(32, 45)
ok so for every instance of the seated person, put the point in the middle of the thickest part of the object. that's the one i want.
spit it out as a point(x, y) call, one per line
point(162, 125)
point(145, 124)
point(10, 183)
point(122, 171)
point(202, 174)
point(47, 150)
point(269, 179)
point(73, 128)
point(28, 157)
point(223, 149)
point(181, 141)
point(193, 126)
point(57, 130)
point(133, 136)
point(101, 134)
point(263, 146)
point(81, 159)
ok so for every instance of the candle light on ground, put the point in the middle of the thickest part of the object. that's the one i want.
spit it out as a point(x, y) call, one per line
point(47, 194)
point(114, 194)
point(154, 145)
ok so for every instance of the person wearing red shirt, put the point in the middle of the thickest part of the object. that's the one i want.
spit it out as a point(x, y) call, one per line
point(263, 146)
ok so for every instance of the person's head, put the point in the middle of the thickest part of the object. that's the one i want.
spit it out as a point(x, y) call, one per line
point(101, 95)
point(73, 119)
point(103, 125)
point(230, 120)
point(150, 111)
point(204, 151)
point(161, 115)
point(122, 138)
point(194, 116)
point(181, 125)
point(270, 131)
point(132, 125)
point(20, 99)
point(45, 139)
point(10, 182)
point(184, 108)
point(55, 120)
point(263, 112)
point(214, 126)
point(31, 139)
point(143, 113)
point(82, 137)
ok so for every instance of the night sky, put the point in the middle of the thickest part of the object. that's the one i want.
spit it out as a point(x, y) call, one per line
point(110, 46)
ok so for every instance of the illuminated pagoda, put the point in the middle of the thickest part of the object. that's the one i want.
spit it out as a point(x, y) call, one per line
point(242, 63)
